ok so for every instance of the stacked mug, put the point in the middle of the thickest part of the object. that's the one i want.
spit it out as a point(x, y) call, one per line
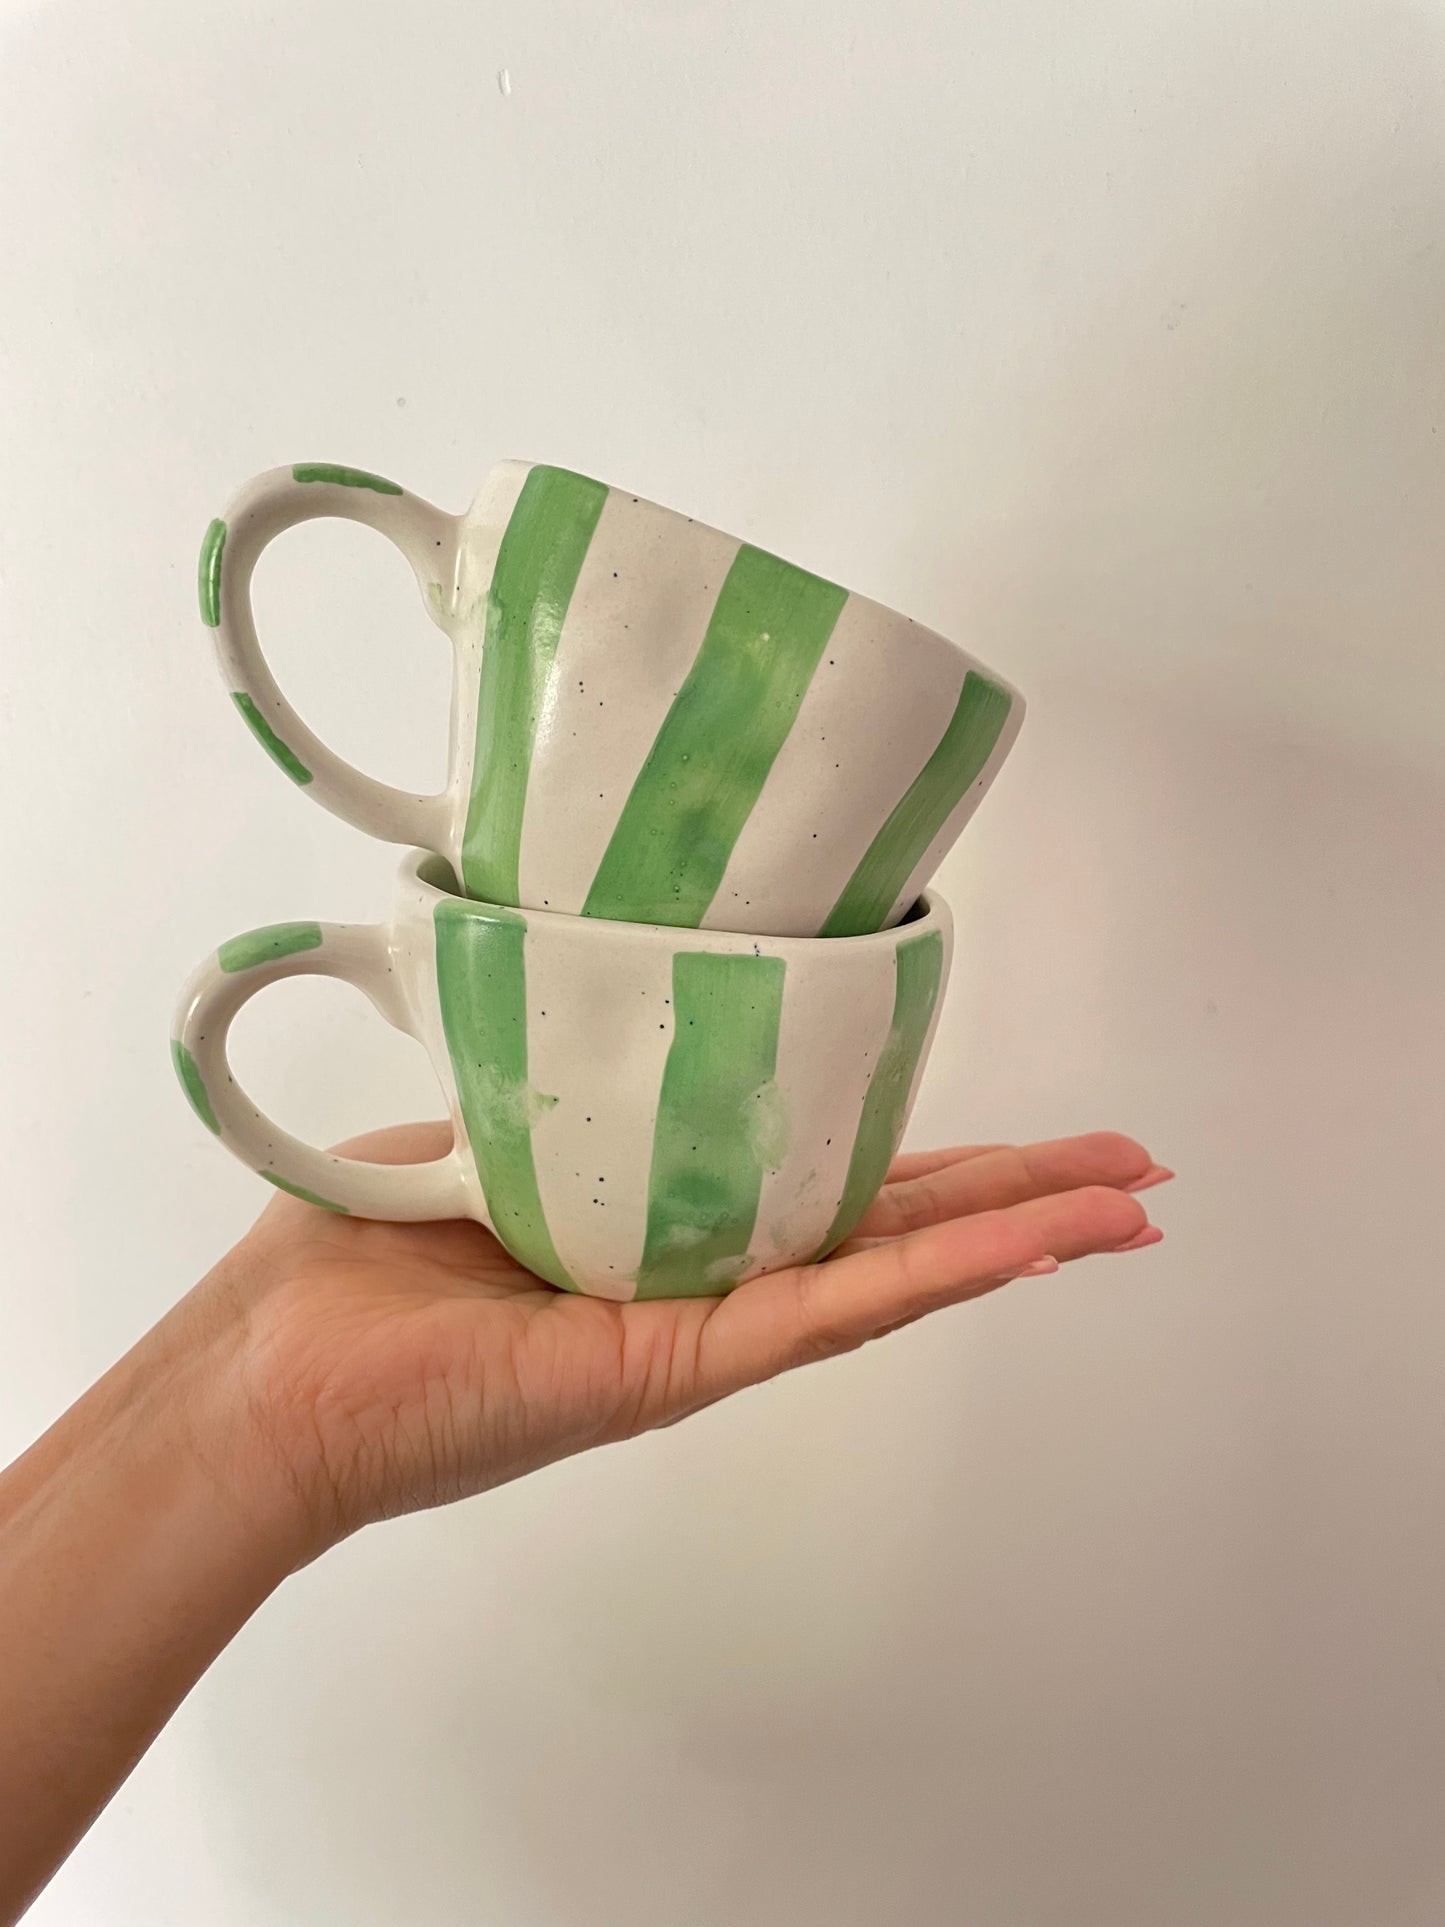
point(666, 935)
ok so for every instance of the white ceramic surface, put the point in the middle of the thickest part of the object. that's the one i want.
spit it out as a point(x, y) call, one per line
point(637, 1112)
point(651, 721)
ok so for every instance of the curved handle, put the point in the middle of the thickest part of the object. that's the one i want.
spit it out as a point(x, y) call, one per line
point(277, 500)
point(358, 954)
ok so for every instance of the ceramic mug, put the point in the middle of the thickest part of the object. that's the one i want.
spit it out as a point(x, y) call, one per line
point(637, 1111)
point(651, 721)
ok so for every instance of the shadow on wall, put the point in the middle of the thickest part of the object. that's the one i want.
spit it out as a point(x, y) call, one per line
point(1105, 1600)
point(1216, 448)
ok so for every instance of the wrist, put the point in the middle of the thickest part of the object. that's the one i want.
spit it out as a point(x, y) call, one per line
point(222, 1388)
point(178, 1410)
point(136, 1538)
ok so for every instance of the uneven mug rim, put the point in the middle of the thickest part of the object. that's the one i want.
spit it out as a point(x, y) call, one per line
point(930, 912)
point(475, 513)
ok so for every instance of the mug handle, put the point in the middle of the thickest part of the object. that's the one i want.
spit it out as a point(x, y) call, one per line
point(277, 500)
point(358, 954)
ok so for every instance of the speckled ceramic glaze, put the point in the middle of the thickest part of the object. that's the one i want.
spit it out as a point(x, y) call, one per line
point(651, 721)
point(638, 1112)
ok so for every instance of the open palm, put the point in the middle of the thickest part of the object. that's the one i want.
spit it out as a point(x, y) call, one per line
point(396, 1366)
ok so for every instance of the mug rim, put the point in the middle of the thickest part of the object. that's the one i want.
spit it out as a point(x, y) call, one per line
point(1018, 701)
point(930, 912)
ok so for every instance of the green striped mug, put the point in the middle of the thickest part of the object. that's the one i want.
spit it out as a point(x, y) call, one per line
point(651, 721)
point(637, 1111)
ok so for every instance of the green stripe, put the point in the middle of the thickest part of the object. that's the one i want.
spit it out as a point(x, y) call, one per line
point(538, 563)
point(300, 1191)
point(718, 742)
point(208, 573)
point(919, 974)
point(266, 945)
point(929, 801)
point(343, 477)
point(716, 1130)
point(269, 740)
point(194, 1085)
point(482, 983)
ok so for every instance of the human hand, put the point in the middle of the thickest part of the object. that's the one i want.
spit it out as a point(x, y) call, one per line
point(332, 1371)
point(381, 1368)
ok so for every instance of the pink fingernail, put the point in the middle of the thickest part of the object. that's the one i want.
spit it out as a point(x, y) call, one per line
point(1040, 1268)
point(1156, 1174)
point(1150, 1235)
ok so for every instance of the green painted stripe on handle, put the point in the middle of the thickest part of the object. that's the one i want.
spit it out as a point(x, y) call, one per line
point(482, 985)
point(300, 1191)
point(716, 1123)
point(919, 966)
point(967, 743)
point(717, 743)
point(343, 477)
point(267, 944)
point(538, 562)
point(269, 740)
point(194, 1085)
point(208, 573)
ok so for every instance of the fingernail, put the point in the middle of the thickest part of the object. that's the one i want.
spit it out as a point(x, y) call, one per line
point(1156, 1174)
point(1040, 1268)
point(1150, 1235)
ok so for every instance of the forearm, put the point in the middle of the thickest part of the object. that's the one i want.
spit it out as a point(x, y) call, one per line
point(133, 1546)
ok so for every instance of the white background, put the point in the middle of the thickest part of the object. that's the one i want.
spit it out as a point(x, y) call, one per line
point(1108, 339)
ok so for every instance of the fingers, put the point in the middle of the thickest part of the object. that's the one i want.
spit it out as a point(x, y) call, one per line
point(999, 1175)
point(817, 1311)
point(918, 1164)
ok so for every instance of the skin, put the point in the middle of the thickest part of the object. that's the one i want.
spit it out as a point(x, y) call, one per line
point(331, 1372)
